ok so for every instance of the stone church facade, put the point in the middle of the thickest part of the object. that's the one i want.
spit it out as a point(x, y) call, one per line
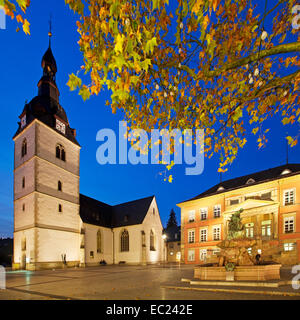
point(54, 225)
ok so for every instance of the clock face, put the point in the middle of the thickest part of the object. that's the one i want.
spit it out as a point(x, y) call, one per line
point(60, 126)
point(23, 121)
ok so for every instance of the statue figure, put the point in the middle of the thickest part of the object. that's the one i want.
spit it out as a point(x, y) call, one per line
point(236, 229)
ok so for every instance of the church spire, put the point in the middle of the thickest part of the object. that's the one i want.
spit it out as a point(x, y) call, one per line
point(50, 31)
point(47, 85)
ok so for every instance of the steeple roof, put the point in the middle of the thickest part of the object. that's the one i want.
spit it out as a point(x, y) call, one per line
point(45, 106)
point(48, 61)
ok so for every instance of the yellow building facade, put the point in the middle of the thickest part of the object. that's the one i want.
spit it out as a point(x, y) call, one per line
point(270, 206)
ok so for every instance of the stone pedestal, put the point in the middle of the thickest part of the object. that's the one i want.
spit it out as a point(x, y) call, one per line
point(240, 273)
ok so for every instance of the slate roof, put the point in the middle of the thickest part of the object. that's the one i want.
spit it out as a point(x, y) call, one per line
point(101, 214)
point(45, 106)
point(258, 177)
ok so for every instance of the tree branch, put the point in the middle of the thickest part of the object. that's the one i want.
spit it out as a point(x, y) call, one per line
point(282, 48)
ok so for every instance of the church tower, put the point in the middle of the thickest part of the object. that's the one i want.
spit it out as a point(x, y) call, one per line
point(46, 181)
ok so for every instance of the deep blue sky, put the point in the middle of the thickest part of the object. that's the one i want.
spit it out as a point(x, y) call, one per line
point(20, 62)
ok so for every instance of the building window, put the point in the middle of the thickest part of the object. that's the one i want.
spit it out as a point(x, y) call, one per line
point(249, 227)
point(191, 236)
point(59, 186)
point(92, 254)
point(216, 252)
point(124, 241)
point(153, 211)
point(266, 196)
point(233, 202)
point(23, 182)
point(99, 244)
point(23, 207)
point(217, 211)
point(152, 241)
point(217, 233)
point(203, 213)
point(289, 224)
point(192, 216)
point(59, 208)
point(203, 235)
point(60, 152)
point(289, 197)
point(266, 228)
point(289, 246)
point(24, 148)
point(191, 255)
point(203, 254)
point(23, 244)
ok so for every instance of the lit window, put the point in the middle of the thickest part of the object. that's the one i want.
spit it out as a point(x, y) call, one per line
point(217, 233)
point(217, 211)
point(203, 235)
point(266, 228)
point(249, 227)
point(289, 246)
point(192, 216)
point(203, 254)
point(286, 171)
point(191, 236)
point(289, 197)
point(191, 255)
point(203, 213)
point(289, 224)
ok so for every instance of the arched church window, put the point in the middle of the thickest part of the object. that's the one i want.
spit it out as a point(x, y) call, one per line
point(24, 147)
point(124, 241)
point(152, 241)
point(63, 154)
point(59, 186)
point(99, 244)
point(60, 152)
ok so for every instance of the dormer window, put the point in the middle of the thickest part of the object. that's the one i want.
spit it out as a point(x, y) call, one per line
point(220, 188)
point(60, 126)
point(250, 181)
point(286, 171)
point(23, 121)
